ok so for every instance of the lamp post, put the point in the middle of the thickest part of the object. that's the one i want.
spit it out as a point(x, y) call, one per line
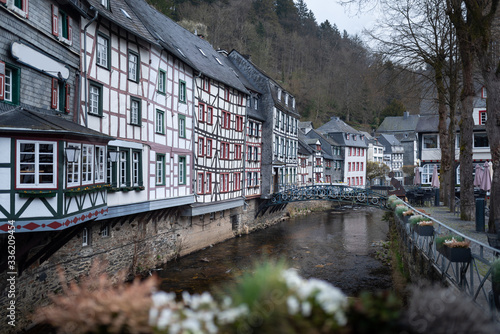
point(71, 153)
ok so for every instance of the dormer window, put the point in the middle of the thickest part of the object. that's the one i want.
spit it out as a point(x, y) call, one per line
point(286, 98)
point(105, 3)
point(484, 93)
point(279, 94)
point(347, 136)
point(354, 137)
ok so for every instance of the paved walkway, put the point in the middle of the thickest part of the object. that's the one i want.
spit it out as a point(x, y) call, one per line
point(468, 228)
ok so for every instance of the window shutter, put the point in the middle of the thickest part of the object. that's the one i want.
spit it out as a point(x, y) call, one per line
point(3, 1)
point(68, 91)
point(70, 30)
point(2, 80)
point(54, 93)
point(55, 20)
point(26, 7)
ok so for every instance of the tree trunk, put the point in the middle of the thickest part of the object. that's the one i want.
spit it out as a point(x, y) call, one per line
point(467, 204)
point(493, 130)
point(446, 160)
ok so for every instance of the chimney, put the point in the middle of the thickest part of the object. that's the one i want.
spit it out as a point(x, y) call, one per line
point(406, 114)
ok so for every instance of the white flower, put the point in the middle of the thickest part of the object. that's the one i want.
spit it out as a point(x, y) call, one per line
point(293, 305)
point(162, 298)
point(230, 315)
point(164, 319)
point(306, 309)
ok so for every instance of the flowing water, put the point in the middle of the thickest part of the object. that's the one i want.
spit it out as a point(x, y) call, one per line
point(335, 246)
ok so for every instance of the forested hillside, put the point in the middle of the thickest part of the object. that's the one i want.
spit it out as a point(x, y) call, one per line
point(329, 72)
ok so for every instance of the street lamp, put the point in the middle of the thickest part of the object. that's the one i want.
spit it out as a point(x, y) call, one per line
point(71, 153)
point(113, 156)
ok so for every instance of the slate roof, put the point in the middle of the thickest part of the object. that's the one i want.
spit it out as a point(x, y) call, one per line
point(21, 120)
point(116, 14)
point(405, 123)
point(186, 46)
point(336, 125)
point(388, 141)
point(326, 142)
point(337, 129)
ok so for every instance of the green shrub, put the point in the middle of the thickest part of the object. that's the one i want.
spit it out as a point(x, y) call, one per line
point(400, 209)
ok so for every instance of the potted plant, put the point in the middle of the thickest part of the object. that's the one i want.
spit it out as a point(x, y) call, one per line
point(415, 220)
point(407, 214)
point(400, 210)
point(425, 228)
point(454, 248)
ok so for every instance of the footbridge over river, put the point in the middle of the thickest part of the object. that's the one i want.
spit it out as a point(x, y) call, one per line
point(328, 192)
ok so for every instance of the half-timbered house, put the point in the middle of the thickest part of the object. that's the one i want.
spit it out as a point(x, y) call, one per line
point(136, 92)
point(279, 153)
point(52, 169)
point(219, 105)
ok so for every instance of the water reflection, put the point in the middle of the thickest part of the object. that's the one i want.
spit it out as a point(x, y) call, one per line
point(333, 246)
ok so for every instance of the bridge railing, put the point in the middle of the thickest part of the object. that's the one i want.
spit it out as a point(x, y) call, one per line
point(472, 275)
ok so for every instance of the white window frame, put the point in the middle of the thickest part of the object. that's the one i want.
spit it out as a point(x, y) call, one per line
point(133, 66)
point(36, 165)
point(73, 168)
point(160, 170)
point(87, 164)
point(136, 170)
point(85, 237)
point(100, 164)
point(160, 122)
point(135, 111)
point(102, 51)
point(428, 136)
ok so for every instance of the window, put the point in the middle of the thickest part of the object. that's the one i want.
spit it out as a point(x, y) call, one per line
point(250, 128)
point(237, 181)
point(209, 148)
point(182, 91)
point(36, 164)
point(237, 151)
point(182, 126)
point(239, 123)
point(9, 83)
point(361, 166)
point(430, 141)
point(182, 170)
point(257, 130)
point(201, 146)
point(249, 179)
point(349, 166)
point(160, 169)
point(226, 120)
point(103, 51)
point(199, 184)
point(87, 164)
point(61, 25)
point(85, 237)
point(249, 153)
point(484, 93)
point(123, 169)
point(426, 174)
point(224, 151)
point(135, 111)
point(224, 181)
point(95, 99)
point(160, 122)
point(60, 97)
point(18, 6)
point(136, 169)
point(201, 112)
point(100, 152)
point(481, 140)
point(105, 3)
point(208, 183)
point(226, 93)
point(483, 116)
point(73, 168)
point(133, 66)
point(255, 179)
point(210, 113)
point(162, 81)
point(206, 84)
point(105, 231)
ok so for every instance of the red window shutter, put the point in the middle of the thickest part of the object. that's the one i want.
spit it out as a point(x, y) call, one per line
point(55, 20)
point(54, 93)
point(70, 30)
point(2, 80)
point(68, 91)
point(26, 7)
point(3, 1)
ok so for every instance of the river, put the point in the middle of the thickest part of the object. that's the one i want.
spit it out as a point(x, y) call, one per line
point(335, 246)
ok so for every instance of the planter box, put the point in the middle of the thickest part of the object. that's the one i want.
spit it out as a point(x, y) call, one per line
point(457, 254)
point(493, 240)
point(425, 230)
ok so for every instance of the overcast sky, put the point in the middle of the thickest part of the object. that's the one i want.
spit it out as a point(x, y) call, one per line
point(345, 18)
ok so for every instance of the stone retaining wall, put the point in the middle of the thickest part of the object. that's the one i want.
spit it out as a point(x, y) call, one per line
point(137, 244)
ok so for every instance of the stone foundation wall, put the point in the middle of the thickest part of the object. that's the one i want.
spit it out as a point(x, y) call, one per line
point(137, 244)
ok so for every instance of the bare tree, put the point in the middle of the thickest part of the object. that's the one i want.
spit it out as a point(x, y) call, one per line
point(417, 34)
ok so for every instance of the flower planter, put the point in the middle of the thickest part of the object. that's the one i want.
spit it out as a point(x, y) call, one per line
point(457, 254)
point(493, 240)
point(425, 230)
point(37, 194)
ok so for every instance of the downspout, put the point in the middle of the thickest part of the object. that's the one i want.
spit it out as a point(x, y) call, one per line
point(85, 64)
point(244, 155)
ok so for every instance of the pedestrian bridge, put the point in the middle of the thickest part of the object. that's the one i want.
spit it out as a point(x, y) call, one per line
point(328, 192)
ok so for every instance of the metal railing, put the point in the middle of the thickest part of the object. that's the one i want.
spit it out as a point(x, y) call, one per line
point(472, 277)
